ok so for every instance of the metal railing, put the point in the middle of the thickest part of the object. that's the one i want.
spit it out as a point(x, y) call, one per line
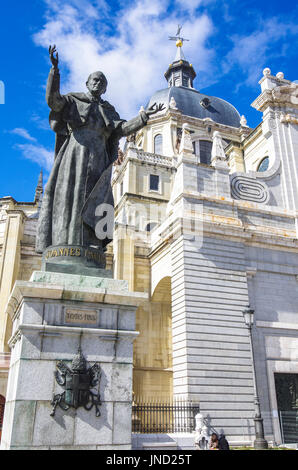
point(157, 417)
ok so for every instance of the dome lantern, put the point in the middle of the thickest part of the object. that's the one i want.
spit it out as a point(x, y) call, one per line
point(182, 96)
point(180, 72)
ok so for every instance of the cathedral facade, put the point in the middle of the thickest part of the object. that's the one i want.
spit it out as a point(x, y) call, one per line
point(205, 225)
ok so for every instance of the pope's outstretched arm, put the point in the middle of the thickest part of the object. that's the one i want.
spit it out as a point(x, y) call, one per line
point(55, 101)
point(133, 125)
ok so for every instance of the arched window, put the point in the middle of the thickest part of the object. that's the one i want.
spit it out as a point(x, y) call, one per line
point(158, 144)
point(263, 166)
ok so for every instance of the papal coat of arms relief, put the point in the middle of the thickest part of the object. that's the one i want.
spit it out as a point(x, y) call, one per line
point(80, 383)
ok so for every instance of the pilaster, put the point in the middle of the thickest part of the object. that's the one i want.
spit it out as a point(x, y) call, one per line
point(279, 104)
point(11, 255)
point(236, 160)
point(124, 248)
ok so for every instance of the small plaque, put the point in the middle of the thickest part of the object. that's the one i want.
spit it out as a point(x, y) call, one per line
point(87, 317)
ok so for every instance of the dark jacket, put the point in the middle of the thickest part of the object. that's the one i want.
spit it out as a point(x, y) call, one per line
point(223, 443)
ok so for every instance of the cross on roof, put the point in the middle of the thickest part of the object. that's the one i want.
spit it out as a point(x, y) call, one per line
point(179, 40)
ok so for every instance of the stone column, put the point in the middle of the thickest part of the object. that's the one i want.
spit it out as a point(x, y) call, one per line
point(54, 315)
point(124, 248)
point(11, 254)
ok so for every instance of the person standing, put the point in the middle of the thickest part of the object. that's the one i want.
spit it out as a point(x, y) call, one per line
point(223, 443)
point(213, 445)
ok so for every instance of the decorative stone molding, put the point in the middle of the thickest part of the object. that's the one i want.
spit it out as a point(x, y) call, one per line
point(285, 118)
point(266, 72)
point(280, 75)
point(248, 189)
point(277, 325)
point(173, 104)
point(151, 157)
point(261, 100)
point(279, 94)
point(268, 174)
point(286, 93)
point(243, 121)
point(251, 272)
point(14, 339)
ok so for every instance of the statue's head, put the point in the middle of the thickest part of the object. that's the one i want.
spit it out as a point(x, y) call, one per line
point(97, 83)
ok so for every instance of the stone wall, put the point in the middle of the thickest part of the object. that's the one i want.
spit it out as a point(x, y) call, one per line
point(273, 292)
point(211, 356)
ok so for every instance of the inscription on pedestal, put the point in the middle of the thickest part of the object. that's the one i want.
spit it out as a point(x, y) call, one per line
point(86, 317)
point(73, 253)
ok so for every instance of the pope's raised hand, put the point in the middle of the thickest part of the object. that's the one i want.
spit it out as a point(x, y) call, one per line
point(54, 60)
point(155, 108)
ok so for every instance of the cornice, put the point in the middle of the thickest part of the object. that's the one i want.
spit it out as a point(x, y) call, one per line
point(278, 96)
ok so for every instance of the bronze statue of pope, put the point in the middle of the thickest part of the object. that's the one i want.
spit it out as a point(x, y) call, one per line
point(87, 130)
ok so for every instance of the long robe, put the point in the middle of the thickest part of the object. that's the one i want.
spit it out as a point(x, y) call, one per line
point(88, 133)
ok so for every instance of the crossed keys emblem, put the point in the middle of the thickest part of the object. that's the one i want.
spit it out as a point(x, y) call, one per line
point(78, 382)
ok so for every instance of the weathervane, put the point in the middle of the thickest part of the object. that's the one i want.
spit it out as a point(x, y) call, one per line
point(179, 40)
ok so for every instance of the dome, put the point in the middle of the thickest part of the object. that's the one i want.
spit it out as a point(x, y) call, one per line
point(195, 104)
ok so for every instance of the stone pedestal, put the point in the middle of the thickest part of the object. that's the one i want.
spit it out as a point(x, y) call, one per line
point(53, 315)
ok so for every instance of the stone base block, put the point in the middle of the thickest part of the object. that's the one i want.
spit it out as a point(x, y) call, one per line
point(54, 316)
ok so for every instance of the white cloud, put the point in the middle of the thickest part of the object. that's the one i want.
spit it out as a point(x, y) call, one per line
point(252, 52)
point(23, 133)
point(34, 151)
point(191, 5)
point(40, 123)
point(136, 55)
point(37, 154)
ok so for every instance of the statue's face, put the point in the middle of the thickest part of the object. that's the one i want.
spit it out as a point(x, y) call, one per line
point(96, 83)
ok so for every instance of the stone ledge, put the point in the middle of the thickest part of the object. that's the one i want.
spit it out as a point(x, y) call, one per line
point(43, 329)
point(160, 445)
point(42, 290)
point(78, 280)
point(277, 325)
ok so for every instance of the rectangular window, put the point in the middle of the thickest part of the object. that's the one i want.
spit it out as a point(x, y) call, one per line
point(286, 386)
point(184, 80)
point(205, 151)
point(154, 182)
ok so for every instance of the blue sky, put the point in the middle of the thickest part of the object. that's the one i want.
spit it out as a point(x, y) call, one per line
point(231, 42)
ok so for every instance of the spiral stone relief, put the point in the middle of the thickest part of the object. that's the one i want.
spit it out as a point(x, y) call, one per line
point(248, 189)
